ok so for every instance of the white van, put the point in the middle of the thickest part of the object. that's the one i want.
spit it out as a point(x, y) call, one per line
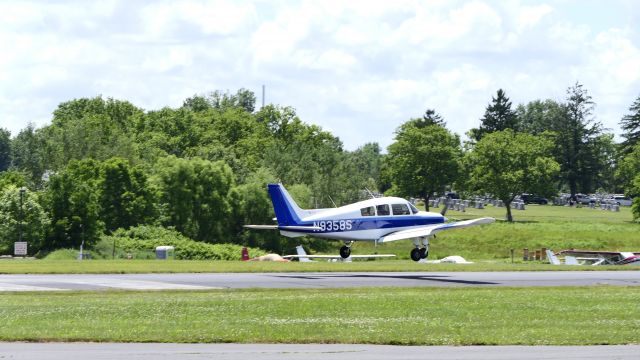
point(620, 200)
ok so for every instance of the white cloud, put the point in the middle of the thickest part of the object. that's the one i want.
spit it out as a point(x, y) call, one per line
point(529, 16)
point(357, 68)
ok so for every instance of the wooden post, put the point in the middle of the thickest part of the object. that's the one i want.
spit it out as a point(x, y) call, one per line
point(538, 257)
point(512, 253)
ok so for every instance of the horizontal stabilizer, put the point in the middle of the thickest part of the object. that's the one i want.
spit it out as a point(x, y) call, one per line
point(300, 228)
point(287, 228)
point(261, 227)
point(429, 230)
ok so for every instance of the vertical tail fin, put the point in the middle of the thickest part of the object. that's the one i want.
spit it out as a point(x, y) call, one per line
point(288, 213)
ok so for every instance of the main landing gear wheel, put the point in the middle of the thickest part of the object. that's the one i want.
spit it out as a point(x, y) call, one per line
point(345, 252)
point(424, 253)
point(416, 255)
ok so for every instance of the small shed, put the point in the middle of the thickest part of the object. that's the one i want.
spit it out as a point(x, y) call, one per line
point(165, 252)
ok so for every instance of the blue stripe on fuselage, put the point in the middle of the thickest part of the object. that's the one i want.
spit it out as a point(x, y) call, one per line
point(386, 222)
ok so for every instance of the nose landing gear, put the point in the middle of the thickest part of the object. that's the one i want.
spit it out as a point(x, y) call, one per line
point(418, 252)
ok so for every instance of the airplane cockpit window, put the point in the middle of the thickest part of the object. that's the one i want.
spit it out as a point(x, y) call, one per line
point(383, 209)
point(400, 209)
point(413, 208)
point(368, 211)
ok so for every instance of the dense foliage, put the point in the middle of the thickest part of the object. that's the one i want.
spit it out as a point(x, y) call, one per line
point(143, 239)
point(103, 165)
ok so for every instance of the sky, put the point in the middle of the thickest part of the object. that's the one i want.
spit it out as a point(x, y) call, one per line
point(358, 69)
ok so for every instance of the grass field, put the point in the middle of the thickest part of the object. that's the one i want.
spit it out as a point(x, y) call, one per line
point(552, 227)
point(429, 316)
point(192, 266)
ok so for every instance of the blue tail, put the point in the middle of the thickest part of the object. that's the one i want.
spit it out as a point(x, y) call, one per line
point(288, 213)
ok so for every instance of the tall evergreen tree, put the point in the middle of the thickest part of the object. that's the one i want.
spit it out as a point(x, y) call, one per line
point(5, 149)
point(578, 139)
point(28, 153)
point(497, 117)
point(431, 117)
point(630, 124)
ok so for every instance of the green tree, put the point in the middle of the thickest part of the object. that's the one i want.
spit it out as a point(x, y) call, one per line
point(497, 117)
point(627, 170)
point(303, 154)
point(92, 128)
point(194, 196)
point(424, 160)
point(539, 116)
point(251, 204)
point(359, 170)
point(126, 198)
point(630, 125)
point(634, 191)
point(28, 152)
point(12, 178)
point(577, 140)
point(71, 198)
point(5, 149)
point(506, 164)
point(26, 215)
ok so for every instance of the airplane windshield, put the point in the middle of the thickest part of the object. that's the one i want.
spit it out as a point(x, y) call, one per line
point(368, 211)
point(383, 209)
point(400, 209)
point(413, 208)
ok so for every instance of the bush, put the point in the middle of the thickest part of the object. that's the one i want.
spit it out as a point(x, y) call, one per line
point(62, 254)
point(70, 254)
point(142, 241)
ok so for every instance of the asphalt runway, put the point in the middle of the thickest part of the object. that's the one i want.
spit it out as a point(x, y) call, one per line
point(97, 351)
point(204, 281)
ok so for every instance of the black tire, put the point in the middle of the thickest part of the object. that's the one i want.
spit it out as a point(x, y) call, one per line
point(345, 252)
point(415, 254)
point(424, 253)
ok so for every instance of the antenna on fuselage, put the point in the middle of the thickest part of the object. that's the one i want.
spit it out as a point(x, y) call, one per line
point(333, 202)
point(370, 193)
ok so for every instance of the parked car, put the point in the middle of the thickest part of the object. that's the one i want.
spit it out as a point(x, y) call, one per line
point(585, 199)
point(534, 199)
point(619, 200)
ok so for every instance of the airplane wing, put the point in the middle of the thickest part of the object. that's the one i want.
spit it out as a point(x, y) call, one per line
point(337, 256)
point(429, 230)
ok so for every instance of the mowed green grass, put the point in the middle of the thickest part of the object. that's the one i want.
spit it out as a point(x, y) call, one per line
point(186, 266)
point(417, 316)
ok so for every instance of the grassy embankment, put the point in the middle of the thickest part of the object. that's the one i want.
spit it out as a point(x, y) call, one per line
point(552, 227)
point(430, 316)
point(193, 266)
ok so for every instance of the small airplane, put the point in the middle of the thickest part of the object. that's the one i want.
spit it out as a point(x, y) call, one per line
point(379, 220)
point(594, 257)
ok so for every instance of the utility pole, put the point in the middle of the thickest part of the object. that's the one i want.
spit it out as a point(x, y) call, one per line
point(22, 191)
point(81, 256)
point(263, 95)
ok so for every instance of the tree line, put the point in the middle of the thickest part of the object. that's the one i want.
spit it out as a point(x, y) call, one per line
point(202, 168)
